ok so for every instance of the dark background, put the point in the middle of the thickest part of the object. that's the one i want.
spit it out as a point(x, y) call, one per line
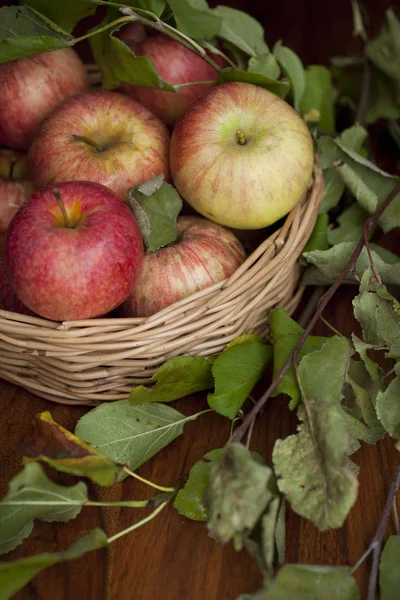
point(315, 29)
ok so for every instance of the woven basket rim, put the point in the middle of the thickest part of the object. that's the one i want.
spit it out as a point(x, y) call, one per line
point(93, 360)
point(276, 237)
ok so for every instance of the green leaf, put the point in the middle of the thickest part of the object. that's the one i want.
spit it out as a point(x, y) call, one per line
point(358, 23)
point(131, 434)
point(239, 490)
point(356, 431)
point(156, 205)
point(189, 499)
point(352, 138)
point(379, 315)
point(382, 101)
point(51, 443)
point(268, 523)
point(309, 582)
point(389, 572)
point(334, 188)
point(388, 408)
point(318, 240)
point(23, 32)
point(261, 544)
point(178, 377)
point(280, 533)
point(16, 574)
point(241, 30)
point(373, 369)
point(319, 95)
point(265, 64)
point(57, 12)
point(293, 69)
point(118, 62)
point(155, 6)
point(384, 50)
point(32, 496)
point(350, 225)
point(310, 465)
point(285, 334)
point(236, 371)
point(369, 184)
point(280, 88)
point(328, 264)
point(365, 391)
point(195, 19)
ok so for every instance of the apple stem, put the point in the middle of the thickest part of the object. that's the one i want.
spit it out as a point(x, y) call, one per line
point(13, 160)
point(57, 195)
point(82, 138)
point(241, 138)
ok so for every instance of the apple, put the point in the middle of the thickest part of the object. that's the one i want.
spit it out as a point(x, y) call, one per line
point(204, 253)
point(241, 156)
point(133, 33)
point(14, 184)
point(73, 251)
point(175, 64)
point(8, 299)
point(31, 87)
point(104, 137)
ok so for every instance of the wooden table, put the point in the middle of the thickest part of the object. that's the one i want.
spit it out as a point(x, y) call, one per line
point(172, 557)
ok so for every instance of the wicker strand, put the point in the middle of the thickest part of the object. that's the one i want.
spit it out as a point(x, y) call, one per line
point(96, 360)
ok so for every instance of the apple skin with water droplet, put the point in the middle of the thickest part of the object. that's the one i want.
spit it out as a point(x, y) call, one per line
point(241, 156)
point(76, 270)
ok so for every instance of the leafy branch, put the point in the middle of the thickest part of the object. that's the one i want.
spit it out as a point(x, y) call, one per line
point(171, 32)
point(349, 268)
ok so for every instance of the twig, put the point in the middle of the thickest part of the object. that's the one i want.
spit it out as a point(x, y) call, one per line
point(396, 517)
point(162, 27)
point(138, 524)
point(249, 434)
point(161, 488)
point(368, 249)
point(351, 265)
point(376, 544)
point(331, 327)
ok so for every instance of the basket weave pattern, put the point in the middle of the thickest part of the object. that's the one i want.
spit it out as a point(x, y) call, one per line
point(87, 362)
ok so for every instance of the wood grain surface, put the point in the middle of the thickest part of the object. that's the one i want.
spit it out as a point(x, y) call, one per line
point(173, 557)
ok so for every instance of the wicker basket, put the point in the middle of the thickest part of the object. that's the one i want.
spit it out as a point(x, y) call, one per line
point(87, 362)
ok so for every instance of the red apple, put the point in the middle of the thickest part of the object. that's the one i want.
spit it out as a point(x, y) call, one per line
point(102, 137)
point(204, 253)
point(31, 87)
point(14, 184)
point(175, 64)
point(241, 156)
point(8, 299)
point(133, 33)
point(76, 265)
